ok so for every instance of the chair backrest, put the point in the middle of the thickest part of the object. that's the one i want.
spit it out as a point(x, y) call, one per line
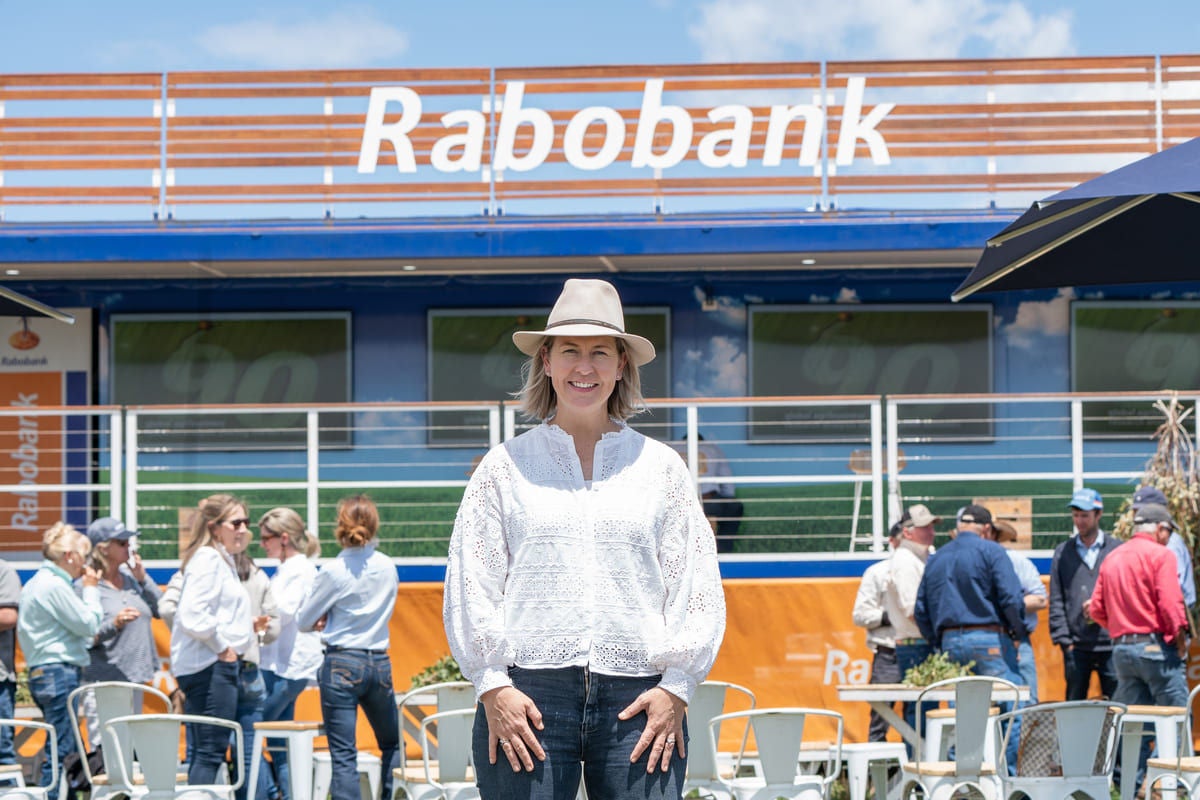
point(709, 701)
point(1182, 751)
point(113, 699)
point(1075, 739)
point(155, 738)
point(972, 703)
point(779, 735)
point(415, 704)
point(16, 726)
point(454, 746)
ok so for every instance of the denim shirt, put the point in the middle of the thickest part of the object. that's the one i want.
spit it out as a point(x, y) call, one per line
point(358, 593)
point(970, 581)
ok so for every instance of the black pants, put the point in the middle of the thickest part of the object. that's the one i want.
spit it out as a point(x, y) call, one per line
point(728, 514)
point(1078, 666)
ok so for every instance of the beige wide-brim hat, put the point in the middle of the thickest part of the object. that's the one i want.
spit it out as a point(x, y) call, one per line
point(1005, 530)
point(587, 308)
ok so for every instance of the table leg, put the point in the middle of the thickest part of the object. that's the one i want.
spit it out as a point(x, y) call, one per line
point(255, 757)
point(1131, 745)
point(300, 767)
point(906, 731)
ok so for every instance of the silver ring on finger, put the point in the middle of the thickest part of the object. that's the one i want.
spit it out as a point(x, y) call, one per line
point(503, 742)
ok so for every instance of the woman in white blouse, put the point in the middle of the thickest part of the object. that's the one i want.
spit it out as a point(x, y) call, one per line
point(213, 627)
point(292, 660)
point(583, 598)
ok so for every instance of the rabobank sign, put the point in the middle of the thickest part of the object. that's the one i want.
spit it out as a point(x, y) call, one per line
point(663, 134)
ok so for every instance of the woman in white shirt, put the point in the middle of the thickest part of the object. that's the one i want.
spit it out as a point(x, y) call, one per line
point(292, 660)
point(583, 598)
point(213, 627)
point(351, 603)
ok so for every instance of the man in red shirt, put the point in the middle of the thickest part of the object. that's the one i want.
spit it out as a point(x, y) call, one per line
point(1138, 600)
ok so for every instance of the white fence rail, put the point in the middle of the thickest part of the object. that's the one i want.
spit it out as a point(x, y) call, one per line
point(815, 475)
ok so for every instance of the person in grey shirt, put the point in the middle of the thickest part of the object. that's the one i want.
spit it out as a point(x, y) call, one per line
point(10, 592)
point(124, 648)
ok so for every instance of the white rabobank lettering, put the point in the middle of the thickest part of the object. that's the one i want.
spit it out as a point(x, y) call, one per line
point(512, 117)
point(471, 142)
point(375, 131)
point(26, 517)
point(735, 140)
point(577, 128)
point(653, 112)
point(667, 126)
point(840, 669)
point(855, 126)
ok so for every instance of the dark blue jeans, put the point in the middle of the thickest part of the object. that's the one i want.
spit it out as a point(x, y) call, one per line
point(212, 692)
point(582, 736)
point(349, 679)
point(986, 649)
point(908, 656)
point(252, 692)
point(279, 705)
point(8, 699)
point(50, 684)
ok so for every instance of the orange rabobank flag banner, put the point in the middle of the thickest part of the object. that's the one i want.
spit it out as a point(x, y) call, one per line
point(43, 363)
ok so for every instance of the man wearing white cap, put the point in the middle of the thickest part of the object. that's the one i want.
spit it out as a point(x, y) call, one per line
point(869, 613)
point(1086, 647)
point(907, 569)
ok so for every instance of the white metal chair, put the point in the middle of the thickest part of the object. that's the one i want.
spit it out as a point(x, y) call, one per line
point(939, 780)
point(158, 740)
point(705, 767)
point(1169, 774)
point(1066, 749)
point(18, 787)
point(779, 735)
point(112, 699)
point(370, 772)
point(453, 742)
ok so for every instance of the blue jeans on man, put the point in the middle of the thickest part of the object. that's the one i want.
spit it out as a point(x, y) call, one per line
point(349, 679)
point(279, 705)
point(8, 702)
point(1019, 655)
point(986, 649)
point(50, 684)
point(583, 739)
point(910, 653)
point(1149, 673)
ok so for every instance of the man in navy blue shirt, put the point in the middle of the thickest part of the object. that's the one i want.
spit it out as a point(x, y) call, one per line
point(970, 597)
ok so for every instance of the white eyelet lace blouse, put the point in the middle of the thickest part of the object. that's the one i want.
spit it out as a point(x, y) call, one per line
point(546, 571)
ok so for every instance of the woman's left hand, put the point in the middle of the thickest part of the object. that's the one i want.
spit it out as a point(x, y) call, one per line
point(663, 733)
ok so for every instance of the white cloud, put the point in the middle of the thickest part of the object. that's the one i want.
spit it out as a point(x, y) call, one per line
point(847, 295)
point(752, 30)
point(349, 36)
point(1037, 319)
point(718, 370)
point(730, 311)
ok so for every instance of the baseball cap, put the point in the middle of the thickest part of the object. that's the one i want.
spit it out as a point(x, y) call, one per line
point(1153, 512)
point(1146, 495)
point(977, 515)
point(107, 529)
point(919, 516)
point(1086, 500)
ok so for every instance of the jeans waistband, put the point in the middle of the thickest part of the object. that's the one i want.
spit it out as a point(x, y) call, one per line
point(333, 648)
point(916, 640)
point(1137, 638)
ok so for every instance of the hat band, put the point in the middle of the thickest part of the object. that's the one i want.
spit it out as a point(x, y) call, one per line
point(599, 322)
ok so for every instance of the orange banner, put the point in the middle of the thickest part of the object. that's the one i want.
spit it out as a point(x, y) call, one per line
point(33, 448)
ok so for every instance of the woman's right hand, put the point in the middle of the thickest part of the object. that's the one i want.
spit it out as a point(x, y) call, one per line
point(510, 715)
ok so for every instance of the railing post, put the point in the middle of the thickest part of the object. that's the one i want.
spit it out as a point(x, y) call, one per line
point(131, 470)
point(692, 415)
point(115, 434)
point(1077, 444)
point(313, 475)
point(893, 461)
point(510, 422)
point(494, 431)
point(877, 499)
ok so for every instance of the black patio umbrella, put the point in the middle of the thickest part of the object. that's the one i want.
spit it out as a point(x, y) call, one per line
point(15, 304)
point(1136, 224)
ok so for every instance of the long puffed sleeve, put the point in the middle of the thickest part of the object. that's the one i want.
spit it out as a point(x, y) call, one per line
point(695, 603)
point(476, 571)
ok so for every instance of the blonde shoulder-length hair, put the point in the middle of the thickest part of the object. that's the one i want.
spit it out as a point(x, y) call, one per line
point(538, 400)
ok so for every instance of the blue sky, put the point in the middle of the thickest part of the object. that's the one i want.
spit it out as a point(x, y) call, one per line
point(137, 35)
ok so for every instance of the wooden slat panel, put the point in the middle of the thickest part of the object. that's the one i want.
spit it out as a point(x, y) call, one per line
point(78, 163)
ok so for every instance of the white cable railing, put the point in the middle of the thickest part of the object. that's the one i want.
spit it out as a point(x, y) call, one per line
point(790, 475)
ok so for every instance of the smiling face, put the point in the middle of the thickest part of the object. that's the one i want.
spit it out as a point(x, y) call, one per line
point(232, 530)
point(584, 371)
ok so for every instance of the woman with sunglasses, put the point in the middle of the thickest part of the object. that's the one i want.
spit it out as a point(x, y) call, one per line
point(292, 660)
point(213, 627)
